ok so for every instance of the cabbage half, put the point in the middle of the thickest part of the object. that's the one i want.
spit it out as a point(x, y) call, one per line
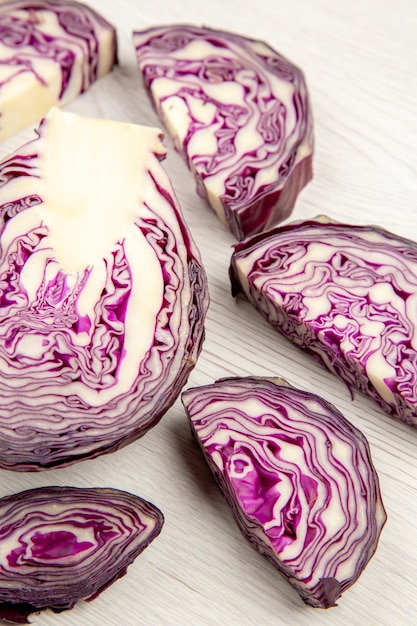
point(238, 112)
point(50, 52)
point(102, 292)
point(59, 545)
point(348, 295)
point(298, 476)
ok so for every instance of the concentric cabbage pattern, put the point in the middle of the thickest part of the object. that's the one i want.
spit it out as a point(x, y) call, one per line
point(347, 294)
point(298, 476)
point(91, 359)
point(238, 112)
point(62, 544)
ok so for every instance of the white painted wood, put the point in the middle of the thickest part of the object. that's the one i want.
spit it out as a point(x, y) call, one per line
point(360, 62)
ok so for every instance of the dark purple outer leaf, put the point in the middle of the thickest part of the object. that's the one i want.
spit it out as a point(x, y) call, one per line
point(238, 112)
point(59, 545)
point(298, 477)
point(346, 294)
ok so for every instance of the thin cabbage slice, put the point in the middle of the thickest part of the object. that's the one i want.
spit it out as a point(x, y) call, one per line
point(348, 295)
point(59, 545)
point(298, 477)
point(102, 292)
point(50, 52)
point(238, 112)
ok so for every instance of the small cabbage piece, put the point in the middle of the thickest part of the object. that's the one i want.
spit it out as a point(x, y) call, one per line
point(50, 52)
point(102, 292)
point(238, 112)
point(298, 477)
point(348, 295)
point(59, 545)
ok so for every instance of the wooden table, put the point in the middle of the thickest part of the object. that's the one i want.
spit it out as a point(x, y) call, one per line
point(360, 60)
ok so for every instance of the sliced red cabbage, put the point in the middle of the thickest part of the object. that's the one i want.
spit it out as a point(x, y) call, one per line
point(298, 477)
point(102, 292)
point(347, 294)
point(59, 545)
point(50, 52)
point(238, 112)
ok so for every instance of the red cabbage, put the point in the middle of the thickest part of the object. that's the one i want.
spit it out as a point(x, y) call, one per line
point(102, 292)
point(50, 52)
point(298, 477)
point(346, 294)
point(238, 112)
point(59, 545)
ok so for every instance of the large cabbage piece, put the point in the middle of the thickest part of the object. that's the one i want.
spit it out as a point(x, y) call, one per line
point(238, 112)
point(298, 477)
point(348, 295)
point(102, 292)
point(50, 52)
point(59, 545)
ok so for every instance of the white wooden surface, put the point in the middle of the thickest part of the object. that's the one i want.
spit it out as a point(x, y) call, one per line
point(360, 60)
